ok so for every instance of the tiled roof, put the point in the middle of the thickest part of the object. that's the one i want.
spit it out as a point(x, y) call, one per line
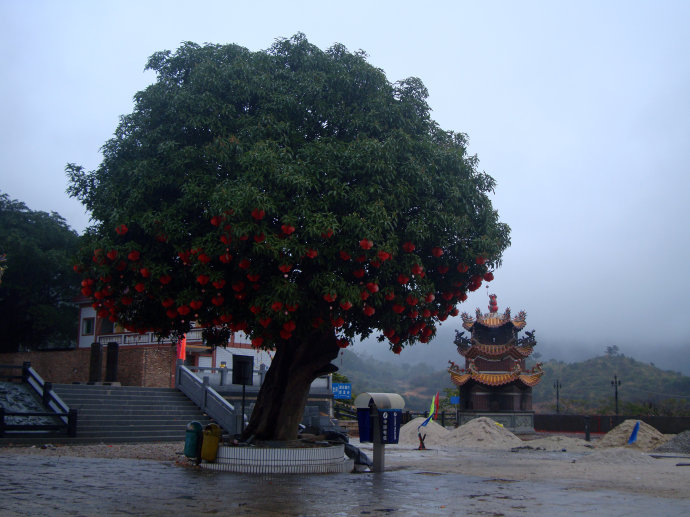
point(531, 378)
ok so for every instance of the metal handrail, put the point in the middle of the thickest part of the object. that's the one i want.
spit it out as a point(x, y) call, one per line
point(50, 400)
point(208, 399)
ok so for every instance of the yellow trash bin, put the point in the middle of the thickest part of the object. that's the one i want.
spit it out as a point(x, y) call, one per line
point(210, 443)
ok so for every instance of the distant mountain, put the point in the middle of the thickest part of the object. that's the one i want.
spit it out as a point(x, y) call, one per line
point(588, 384)
point(585, 386)
point(417, 384)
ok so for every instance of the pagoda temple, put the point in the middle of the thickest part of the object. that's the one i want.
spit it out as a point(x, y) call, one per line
point(495, 381)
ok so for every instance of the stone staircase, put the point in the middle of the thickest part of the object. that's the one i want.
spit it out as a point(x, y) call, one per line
point(129, 413)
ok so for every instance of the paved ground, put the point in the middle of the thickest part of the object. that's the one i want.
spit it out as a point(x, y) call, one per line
point(77, 486)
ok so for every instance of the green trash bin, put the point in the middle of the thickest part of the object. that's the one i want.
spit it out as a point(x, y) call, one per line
point(192, 441)
point(211, 442)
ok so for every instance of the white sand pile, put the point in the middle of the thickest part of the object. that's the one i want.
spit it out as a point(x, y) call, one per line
point(436, 435)
point(618, 456)
point(483, 433)
point(559, 443)
point(648, 438)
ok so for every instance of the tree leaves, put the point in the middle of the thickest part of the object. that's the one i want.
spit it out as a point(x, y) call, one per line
point(319, 140)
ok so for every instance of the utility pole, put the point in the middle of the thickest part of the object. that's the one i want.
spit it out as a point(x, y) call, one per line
point(558, 387)
point(615, 383)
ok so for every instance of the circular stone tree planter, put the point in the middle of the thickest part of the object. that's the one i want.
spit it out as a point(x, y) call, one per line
point(281, 460)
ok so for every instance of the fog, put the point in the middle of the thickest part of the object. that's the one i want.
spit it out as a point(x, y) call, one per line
point(578, 110)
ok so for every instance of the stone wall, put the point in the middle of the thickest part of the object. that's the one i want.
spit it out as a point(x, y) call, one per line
point(142, 365)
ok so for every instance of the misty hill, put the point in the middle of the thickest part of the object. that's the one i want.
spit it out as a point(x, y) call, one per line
point(585, 386)
point(416, 383)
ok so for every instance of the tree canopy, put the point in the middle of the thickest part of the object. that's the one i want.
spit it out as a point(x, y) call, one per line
point(293, 194)
point(38, 287)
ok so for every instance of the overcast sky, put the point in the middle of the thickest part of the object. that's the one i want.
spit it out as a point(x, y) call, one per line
point(579, 110)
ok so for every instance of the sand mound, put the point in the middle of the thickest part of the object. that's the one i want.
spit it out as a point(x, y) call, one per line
point(618, 456)
point(680, 443)
point(648, 438)
point(559, 443)
point(483, 433)
point(436, 435)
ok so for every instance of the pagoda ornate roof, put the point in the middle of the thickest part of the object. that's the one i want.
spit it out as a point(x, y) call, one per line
point(461, 376)
point(494, 319)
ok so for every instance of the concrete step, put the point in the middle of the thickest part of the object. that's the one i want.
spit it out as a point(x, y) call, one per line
point(130, 414)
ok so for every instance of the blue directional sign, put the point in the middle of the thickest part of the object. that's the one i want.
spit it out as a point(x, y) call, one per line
point(455, 400)
point(342, 390)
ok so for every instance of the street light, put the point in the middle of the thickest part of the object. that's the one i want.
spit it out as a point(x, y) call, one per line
point(558, 387)
point(615, 383)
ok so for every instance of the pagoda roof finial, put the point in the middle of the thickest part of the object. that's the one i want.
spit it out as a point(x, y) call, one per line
point(493, 304)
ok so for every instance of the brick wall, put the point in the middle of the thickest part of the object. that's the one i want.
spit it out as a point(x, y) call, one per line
point(152, 366)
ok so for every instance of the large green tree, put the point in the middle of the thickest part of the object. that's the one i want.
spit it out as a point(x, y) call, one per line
point(294, 194)
point(38, 287)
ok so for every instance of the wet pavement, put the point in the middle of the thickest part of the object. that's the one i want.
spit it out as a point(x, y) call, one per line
point(71, 486)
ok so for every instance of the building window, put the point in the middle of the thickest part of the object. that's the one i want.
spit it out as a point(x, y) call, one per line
point(106, 327)
point(87, 326)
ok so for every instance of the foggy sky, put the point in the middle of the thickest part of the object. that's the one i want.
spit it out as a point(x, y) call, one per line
point(579, 110)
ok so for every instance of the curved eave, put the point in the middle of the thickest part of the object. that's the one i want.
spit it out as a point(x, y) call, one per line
point(496, 351)
point(459, 378)
point(531, 379)
point(496, 379)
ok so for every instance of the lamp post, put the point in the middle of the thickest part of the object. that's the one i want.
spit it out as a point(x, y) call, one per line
point(615, 383)
point(558, 387)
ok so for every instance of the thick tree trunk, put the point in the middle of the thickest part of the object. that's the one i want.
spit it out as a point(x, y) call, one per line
point(283, 395)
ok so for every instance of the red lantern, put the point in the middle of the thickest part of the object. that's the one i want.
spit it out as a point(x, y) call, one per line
point(276, 306)
point(140, 288)
point(437, 252)
point(287, 229)
point(346, 305)
point(134, 255)
point(165, 279)
point(480, 260)
point(488, 276)
point(203, 279)
point(344, 255)
point(403, 279)
point(168, 302)
point(383, 255)
point(311, 253)
point(217, 300)
point(122, 229)
point(258, 214)
point(112, 254)
point(408, 247)
point(369, 310)
point(216, 220)
point(330, 297)
point(366, 244)
point(327, 234)
point(265, 322)
point(219, 284)
point(285, 268)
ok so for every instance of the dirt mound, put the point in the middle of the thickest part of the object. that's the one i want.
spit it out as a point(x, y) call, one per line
point(483, 433)
point(436, 435)
point(618, 456)
point(680, 443)
point(559, 443)
point(648, 438)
